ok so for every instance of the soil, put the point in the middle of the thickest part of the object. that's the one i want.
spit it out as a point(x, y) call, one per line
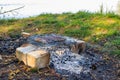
point(13, 69)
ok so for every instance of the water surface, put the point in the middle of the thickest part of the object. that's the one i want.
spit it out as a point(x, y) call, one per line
point(33, 7)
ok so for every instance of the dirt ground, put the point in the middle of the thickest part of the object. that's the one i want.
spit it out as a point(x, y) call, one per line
point(13, 69)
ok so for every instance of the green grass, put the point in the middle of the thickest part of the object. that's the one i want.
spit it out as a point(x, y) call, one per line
point(94, 28)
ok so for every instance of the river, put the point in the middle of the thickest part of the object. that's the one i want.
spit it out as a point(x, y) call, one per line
point(33, 8)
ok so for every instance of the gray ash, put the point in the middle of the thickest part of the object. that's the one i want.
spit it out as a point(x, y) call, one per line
point(8, 45)
point(74, 65)
point(64, 60)
point(46, 40)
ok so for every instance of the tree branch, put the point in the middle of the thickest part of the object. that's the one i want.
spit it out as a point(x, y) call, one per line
point(12, 10)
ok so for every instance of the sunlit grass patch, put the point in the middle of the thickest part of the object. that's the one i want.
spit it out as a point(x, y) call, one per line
point(81, 32)
point(91, 27)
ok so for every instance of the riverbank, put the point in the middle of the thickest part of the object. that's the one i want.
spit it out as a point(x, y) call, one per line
point(95, 28)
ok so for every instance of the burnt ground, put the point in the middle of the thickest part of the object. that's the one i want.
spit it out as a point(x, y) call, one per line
point(11, 68)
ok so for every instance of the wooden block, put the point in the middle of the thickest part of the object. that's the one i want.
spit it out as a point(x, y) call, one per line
point(78, 47)
point(32, 56)
point(38, 58)
point(21, 52)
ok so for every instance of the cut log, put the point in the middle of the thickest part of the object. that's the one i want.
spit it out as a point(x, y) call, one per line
point(33, 57)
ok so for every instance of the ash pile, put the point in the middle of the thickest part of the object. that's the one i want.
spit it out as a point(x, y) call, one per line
point(70, 58)
point(67, 55)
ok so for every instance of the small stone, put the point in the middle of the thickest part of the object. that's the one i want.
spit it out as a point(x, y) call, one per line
point(40, 40)
point(60, 52)
point(25, 34)
point(17, 40)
